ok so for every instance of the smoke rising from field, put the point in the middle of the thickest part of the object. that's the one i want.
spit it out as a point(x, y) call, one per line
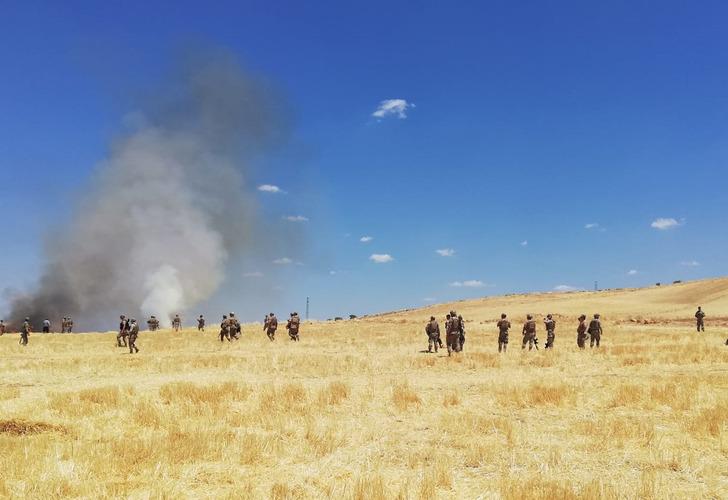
point(156, 226)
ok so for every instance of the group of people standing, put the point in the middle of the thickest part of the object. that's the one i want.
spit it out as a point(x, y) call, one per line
point(128, 329)
point(454, 333)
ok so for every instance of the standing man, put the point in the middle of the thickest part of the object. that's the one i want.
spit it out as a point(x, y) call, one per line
point(452, 333)
point(432, 329)
point(46, 325)
point(503, 326)
point(529, 333)
point(133, 334)
point(550, 325)
point(64, 324)
point(123, 331)
point(699, 318)
point(176, 323)
point(69, 325)
point(581, 332)
point(201, 324)
point(153, 323)
point(270, 326)
point(25, 331)
point(461, 338)
point(595, 331)
point(2, 328)
point(293, 326)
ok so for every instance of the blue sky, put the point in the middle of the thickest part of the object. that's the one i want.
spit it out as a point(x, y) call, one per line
point(523, 123)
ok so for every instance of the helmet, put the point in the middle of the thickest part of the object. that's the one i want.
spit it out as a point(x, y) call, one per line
point(596, 315)
point(432, 318)
point(27, 319)
point(528, 316)
point(548, 316)
point(503, 316)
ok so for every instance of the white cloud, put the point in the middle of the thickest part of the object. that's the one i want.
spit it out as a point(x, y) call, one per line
point(592, 225)
point(332, 273)
point(366, 239)
point(690, 263)
point(445, 252)
point(254, 274)
point(524, 243)
point(632, 272)
point(283, 261)
point(295, 218)
point(565, 288)
point(429, 299)
point(468, 284)
point(664, 223)
point(393, 107)
point(381, 258)
point(270, 188)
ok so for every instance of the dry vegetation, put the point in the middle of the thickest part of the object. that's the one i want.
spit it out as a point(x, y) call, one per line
point(356, 410)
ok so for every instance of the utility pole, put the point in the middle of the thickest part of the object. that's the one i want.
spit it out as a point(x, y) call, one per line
point(596, 286)
point(307, 303)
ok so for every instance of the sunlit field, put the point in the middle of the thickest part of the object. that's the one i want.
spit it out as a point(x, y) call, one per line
point(358, 410)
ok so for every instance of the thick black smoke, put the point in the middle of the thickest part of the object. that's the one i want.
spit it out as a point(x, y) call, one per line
point(155, 229)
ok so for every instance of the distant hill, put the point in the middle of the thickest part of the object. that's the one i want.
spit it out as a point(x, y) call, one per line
point(666, 303)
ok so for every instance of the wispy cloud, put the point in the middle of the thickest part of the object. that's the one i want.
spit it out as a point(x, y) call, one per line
point(565, 288)
point(663, 223)
point(254, 274)
point(429, 299)
point(270, 188)
point(445, 252)
point(381, 258)
point(366, 239)
point(632, 272)
point(467, 284)
point(690, 263)
point(591, 225)
point(393, 107)
point(524, 243)
point(283, 261)
point(332, 273)
point(295, 218)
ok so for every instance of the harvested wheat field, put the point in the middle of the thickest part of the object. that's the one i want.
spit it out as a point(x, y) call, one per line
point(357, 410)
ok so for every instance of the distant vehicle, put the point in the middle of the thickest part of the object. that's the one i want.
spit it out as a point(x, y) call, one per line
point(657, 284)
point(676, 282)
point(338, 318)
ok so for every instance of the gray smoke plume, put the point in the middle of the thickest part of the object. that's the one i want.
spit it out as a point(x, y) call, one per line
point(154, 230)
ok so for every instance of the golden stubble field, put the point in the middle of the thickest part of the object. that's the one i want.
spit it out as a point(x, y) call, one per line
point(356, 410)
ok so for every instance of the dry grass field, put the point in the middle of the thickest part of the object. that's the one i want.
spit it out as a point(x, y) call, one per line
point(357, 410)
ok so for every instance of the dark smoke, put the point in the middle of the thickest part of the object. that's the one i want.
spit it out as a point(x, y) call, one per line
point(155, 229)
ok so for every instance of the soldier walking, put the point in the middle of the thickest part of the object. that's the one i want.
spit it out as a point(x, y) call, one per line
point(153, 323)
point(581, 332)
point(224, 328)
point(503, 326)
point(64, 324)
point(432, 329)
point(133, 334)
point(270, 326)
point(461, 338)
point(176, 323)
point(234, 327)
point(25, 331)
point(595, 331)
point(529, 333)
point(2, 328)
point(123, 331)
point(550, 325)
point(452, 334)
point(69, 325)
point(699, 319)
point(293, 325)
point(201, 324)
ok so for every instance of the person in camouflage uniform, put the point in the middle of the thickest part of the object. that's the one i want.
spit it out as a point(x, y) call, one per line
point(64, 324)
point(550, 325)
point(234, 327)
point(123, 331)
point(201, 323)
point(503, 326)
point(700, 319)
point(25, 332)
point(432, 329)
point(133, 334)
point(225, 328)
point(153, 323)
point(529, 333)
point(176, 323)
point(581, 335)
point(69, 325)
point(293, 326)
point(452, 334)
point(2, 328)
point(270, 326)
point(461, 337)
point(595, 331)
